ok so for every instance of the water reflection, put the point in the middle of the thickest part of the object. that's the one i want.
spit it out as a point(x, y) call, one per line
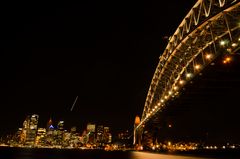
point(145, 155)
point(20, 153)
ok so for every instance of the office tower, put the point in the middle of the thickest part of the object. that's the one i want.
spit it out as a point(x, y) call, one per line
point(73, 129)
point(60, 125)
point(50, 125)
point(124, 135)
point(91, 127)
point(41, 134)
point(30, 129)
point(91, 133)
point(107, 135)
point(99, 138)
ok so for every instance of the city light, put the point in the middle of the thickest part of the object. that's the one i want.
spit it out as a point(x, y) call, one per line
point(208, 56)
point(169, 143)
point(166, 97)
point(197, 67)
point(223, 42)
point(162, 100)
point(181, 82)
point(188, 75)
point(234, 44)
point(175, 87)
point(227, 60)
point(170, 92)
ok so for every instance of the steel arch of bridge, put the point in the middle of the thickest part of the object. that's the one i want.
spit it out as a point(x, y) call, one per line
point(211, 28)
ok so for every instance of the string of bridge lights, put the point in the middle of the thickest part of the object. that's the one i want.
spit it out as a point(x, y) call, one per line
point(180, 82)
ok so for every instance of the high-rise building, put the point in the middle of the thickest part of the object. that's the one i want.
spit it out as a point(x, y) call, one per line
point(107, 135)
point(60, 125)
point(91, 127)
point(99, 138)
point(73, 129)
point(91, 133)
point(41, 134)
point(50, 125)
point(29, 130)
point(124, 135)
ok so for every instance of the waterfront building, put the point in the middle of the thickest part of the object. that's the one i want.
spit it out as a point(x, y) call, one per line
point(107, 135)
point(99, 134)
point(29, 130)
point(40, 138)
point(91, 128)
point(60, 125)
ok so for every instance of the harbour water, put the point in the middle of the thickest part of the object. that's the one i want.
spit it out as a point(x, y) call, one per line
point(30, 153)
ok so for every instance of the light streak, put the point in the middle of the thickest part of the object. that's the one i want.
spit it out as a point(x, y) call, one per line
point(74, 103)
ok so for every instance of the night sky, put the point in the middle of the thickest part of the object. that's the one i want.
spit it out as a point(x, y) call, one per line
point(104, 52)
point(207, 109)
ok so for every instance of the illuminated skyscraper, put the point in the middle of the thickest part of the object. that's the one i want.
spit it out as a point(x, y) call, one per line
point(99, 134)
point(41, 134)
point(107, 135)
point(91, 133)
point(60, 125)
point(91, 127)
point(30, 129)
point(50, 125)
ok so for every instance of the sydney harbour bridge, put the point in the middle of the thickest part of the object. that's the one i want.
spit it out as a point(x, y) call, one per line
point(210, 29)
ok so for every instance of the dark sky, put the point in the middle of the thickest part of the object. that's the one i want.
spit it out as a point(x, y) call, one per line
point(105, 52)
point(207, 109)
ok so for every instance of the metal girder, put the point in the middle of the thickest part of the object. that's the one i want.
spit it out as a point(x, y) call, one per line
point(199, 33)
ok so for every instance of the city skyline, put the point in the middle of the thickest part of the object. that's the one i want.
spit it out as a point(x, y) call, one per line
point(79, 63)
point(53, 53)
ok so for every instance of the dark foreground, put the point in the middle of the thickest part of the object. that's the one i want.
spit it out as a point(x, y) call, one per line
point(21, 153)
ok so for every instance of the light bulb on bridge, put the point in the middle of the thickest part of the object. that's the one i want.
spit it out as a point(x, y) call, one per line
point(170, 92)
point(166, 97)
point(158, 104)
point(234, 44)
point(181, 81)
point(197, 67)
point(208, 56)
point(227, 60)
point(222, 42)
point(188, 75)
point(162, 100)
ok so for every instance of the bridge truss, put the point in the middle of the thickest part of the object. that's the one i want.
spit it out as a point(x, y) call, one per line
point(211, 28)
